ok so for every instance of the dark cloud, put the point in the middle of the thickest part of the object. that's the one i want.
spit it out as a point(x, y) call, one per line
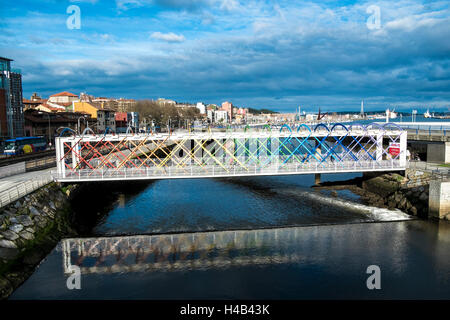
point(281, 64)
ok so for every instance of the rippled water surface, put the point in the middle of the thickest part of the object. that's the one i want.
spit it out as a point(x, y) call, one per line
point(223, 204)
point(262, 238)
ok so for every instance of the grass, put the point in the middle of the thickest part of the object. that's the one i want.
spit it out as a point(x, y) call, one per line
point(446, 165)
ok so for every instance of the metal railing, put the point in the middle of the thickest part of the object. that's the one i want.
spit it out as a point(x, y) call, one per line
point(18, 191)
point(194, 171)
point(438, 172)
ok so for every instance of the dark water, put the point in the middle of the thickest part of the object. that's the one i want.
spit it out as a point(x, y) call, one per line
point(300, 243)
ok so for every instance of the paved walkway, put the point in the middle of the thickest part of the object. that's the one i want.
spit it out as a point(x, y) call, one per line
point(17, 186)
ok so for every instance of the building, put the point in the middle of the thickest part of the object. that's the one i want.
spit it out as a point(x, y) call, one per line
point(221, 116)
point(50, 108)
point(30, 104)
point(40, 123)
point(228, 107)
point(165, 101)
point(133, 120)
point(201, 107)
point(85, 107)
point(210, 115)
point(125, 120)
point(63, 98)
point(11, 100)
point(121, 122)
point(124, 105)
point(106, 119)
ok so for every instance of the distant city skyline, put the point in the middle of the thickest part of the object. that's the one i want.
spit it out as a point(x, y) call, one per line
point(276, 55)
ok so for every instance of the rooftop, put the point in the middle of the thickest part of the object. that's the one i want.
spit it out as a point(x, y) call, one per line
point(64, 94)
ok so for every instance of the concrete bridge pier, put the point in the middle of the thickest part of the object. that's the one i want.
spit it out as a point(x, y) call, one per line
point(317, 179)
point(438, 152)
point(439, 200)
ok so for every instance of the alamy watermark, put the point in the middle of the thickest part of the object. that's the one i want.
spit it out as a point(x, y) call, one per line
point(374, 20)
point(374, 280)
point(74, 20)
point(74, 280)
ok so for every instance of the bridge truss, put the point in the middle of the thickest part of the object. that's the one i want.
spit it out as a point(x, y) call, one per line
point(299, 150)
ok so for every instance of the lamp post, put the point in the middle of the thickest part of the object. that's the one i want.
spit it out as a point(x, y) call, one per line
point(79, 126)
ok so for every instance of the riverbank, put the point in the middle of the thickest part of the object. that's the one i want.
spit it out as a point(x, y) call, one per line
point(33, 225)
point(409, 193)
point(30, 228)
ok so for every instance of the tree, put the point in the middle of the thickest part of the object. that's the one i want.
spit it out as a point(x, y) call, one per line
point(150, 110)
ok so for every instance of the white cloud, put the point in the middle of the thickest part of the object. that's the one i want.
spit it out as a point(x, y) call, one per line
point(169, 37)
point(88, 1)
point(127, 4)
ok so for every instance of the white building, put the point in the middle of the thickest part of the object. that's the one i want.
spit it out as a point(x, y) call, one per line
point(210, 115)
point(63, 97)
point(221, 116)
point(201, 107)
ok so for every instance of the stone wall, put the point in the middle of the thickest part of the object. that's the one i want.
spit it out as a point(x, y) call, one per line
point(392, 190)
point(29, 228)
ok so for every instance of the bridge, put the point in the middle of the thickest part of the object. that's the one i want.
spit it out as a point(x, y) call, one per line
point(226, 153)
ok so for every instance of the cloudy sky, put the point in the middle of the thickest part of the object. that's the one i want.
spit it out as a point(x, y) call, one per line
point(273, 54)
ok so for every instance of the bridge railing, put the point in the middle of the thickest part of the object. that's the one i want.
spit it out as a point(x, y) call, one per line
point(227, 170)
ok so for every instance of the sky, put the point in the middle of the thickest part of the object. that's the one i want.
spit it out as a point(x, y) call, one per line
point(272, 54)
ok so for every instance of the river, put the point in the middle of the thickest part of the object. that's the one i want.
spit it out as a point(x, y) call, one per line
point(248, 238)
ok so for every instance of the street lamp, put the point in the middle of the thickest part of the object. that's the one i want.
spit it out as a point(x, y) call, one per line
point(85, 123)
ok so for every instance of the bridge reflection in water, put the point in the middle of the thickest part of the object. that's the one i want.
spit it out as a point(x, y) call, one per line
point(186, 251)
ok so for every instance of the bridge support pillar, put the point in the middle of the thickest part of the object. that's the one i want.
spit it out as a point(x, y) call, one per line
point(439, 200)
point(438, 152)
point(317, 179)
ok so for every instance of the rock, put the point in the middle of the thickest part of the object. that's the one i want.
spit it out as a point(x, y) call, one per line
point(414, 211)
point(380, 186)
point(8, 253)
point(10, 235)
point(25, 221)
point(16, 228)
point(34, 211)
point(402, 203)
point(7, 244)
point(30, 230)
point(27, 235)
point(5, 288)
point(13, 220)
point(33, 258)
point(17, 205)
point(423, 196)
point(52, 205)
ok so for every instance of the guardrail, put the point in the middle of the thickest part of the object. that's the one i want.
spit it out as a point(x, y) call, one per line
point(40, 163)
point(22, 189)
point(212, 171)
point(437, 172)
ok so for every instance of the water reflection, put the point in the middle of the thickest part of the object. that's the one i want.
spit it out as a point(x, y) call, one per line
point(180, 251)
point(319, 262)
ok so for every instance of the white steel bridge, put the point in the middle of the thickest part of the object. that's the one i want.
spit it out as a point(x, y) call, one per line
point(246, 152)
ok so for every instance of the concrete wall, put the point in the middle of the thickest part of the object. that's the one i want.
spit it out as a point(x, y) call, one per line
point(439, 200)
point(438, 152)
